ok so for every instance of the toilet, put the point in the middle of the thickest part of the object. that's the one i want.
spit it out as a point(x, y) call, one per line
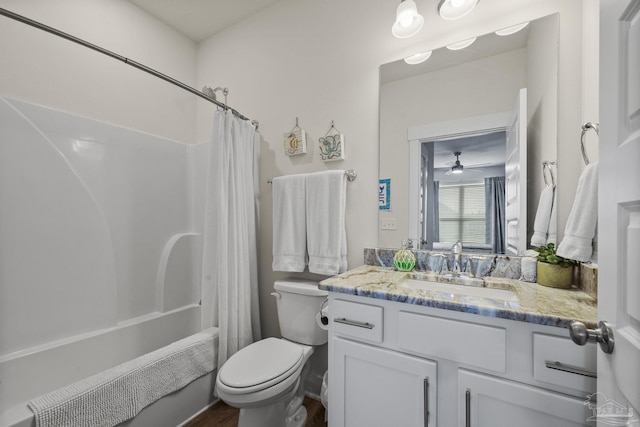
point(265, 380)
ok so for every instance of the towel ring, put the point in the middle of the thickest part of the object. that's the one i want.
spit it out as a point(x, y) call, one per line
point(547, 165)
point(585, 128)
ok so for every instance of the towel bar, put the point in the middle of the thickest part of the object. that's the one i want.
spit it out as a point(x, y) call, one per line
point(585, 128)
point(350, 173)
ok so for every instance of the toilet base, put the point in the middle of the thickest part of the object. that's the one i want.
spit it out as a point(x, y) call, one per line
point(288, 408)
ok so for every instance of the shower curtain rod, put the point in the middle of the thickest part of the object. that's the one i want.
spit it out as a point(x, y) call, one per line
point(114, 55)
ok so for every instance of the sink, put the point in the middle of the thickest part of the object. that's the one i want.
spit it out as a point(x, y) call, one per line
point(462, 293)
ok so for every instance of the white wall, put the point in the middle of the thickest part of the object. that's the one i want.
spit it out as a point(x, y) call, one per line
point(43, 69)
point(319, 61)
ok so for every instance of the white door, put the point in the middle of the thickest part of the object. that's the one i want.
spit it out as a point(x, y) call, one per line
point(487, 401)
point(375, 387)
point(516, 177)
point(619, 211)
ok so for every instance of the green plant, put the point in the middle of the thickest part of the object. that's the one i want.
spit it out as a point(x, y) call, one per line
point(547, 254)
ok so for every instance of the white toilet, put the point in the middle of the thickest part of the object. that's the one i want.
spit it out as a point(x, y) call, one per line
point(266, 379)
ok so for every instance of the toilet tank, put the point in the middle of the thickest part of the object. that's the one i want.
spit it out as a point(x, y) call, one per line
point(298, 303)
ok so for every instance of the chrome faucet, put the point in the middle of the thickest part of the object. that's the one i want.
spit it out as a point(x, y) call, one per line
point(456, 250)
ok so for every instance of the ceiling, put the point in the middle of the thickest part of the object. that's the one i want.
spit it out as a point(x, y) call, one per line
point(200, 19)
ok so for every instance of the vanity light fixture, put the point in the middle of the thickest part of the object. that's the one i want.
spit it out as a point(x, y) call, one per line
point(454, 9)
point(418, 58)
point(408, 20)
point(462, 44)
point(512, 29)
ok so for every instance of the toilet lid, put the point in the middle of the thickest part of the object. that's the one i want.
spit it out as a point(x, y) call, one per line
point(262, 362)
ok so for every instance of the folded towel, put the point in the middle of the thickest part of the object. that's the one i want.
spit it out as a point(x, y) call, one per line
point(581, 225)
point(552, 234)
point(118, 394)
point(289, 223)
point(543, 217)
point(326, 232)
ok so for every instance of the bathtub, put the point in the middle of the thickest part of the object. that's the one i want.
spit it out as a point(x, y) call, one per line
point(30, 373)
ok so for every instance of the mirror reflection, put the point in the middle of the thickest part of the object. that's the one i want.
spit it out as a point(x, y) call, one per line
point(462, 192)
point(462, 101)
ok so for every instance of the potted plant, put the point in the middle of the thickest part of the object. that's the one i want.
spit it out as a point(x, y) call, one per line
point(553, 270)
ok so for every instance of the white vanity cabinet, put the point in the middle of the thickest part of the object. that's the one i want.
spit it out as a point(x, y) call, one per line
point(399, 364)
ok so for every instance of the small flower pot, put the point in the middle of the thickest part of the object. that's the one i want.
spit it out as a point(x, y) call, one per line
point(554, 276)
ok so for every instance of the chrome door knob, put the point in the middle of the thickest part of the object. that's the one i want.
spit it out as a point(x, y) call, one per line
point(602, 335)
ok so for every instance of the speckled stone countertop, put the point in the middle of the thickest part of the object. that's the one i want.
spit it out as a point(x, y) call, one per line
point(534, 303)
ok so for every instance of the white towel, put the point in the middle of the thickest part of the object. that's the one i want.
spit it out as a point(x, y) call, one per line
point(552, 234)
point(118, 394)
point(581, 225)
point(326, 232)
point(289, 223)
point(543, 216)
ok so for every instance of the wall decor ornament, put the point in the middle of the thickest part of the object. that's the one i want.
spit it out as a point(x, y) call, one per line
point(295, 141)
point(332, 145)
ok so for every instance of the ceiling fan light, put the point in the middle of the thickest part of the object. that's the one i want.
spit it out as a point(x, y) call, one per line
point(457, 169)
point(418, 58)
point(512, 29)
point(455, 9)
point(408, 20)
point(462, 44)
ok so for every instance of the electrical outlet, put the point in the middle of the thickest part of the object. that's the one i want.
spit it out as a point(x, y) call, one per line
point(388, 224)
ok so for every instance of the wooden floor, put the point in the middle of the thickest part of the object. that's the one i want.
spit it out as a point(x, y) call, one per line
point(223, 415)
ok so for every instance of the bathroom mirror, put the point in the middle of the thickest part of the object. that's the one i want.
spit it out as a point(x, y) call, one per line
point(462, 101)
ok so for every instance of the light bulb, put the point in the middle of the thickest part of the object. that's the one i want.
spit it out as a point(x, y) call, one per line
point(462, 44)
point(454, 9)
point(418, 58)
point(408, 20)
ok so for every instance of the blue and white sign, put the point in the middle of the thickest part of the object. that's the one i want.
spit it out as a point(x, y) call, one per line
point(384, 194)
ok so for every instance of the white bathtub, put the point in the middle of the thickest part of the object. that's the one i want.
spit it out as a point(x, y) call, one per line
point(30, 373)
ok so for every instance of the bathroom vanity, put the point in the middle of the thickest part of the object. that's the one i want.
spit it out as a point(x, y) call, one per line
point(407, 349)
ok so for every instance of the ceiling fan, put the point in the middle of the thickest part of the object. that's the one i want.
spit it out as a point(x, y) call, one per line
point(458, 168)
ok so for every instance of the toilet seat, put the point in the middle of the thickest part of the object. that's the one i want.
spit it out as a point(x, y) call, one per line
point(260, 365)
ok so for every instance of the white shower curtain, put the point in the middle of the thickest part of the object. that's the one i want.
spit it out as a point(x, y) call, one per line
point(230, 261)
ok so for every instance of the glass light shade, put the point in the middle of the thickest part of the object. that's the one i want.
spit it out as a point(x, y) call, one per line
point(462, 44)
point(418, 58)
point(511, 30)
point(408, 20)
point(457, 170)
point(455, 9)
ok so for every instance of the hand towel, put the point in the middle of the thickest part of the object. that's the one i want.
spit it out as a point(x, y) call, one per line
point(289, 223)
point(552, 234)
point(581, 225)
point(543, 216)
point(326, 232)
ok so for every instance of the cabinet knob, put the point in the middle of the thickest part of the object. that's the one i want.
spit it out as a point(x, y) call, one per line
point(602, 335)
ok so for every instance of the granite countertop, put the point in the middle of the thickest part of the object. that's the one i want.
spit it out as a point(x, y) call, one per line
point(534, 303)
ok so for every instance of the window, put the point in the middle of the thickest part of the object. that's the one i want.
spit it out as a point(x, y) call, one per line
point(462, 213)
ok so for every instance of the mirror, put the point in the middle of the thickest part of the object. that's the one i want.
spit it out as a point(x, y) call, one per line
point(462, 101)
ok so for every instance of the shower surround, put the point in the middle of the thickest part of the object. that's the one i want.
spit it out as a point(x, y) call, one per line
point(99, 256)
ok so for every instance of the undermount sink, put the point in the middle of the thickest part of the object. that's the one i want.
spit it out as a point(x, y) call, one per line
point(458, 292)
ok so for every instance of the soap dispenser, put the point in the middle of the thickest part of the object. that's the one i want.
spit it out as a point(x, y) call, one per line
point(404, 259)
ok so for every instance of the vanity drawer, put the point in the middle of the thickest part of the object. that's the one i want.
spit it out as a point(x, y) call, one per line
point(463, 342)
point(557, 360)
point(353, 319)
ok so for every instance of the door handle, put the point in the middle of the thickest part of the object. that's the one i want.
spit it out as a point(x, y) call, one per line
point(602, 335)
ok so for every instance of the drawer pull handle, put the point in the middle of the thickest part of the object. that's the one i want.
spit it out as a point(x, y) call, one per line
point(346, 321)
point(467, 408)
point(426, 401)
point(571, 369)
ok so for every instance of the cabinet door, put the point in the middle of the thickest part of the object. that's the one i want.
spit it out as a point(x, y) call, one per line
point(370, 386)
point(485, 401)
